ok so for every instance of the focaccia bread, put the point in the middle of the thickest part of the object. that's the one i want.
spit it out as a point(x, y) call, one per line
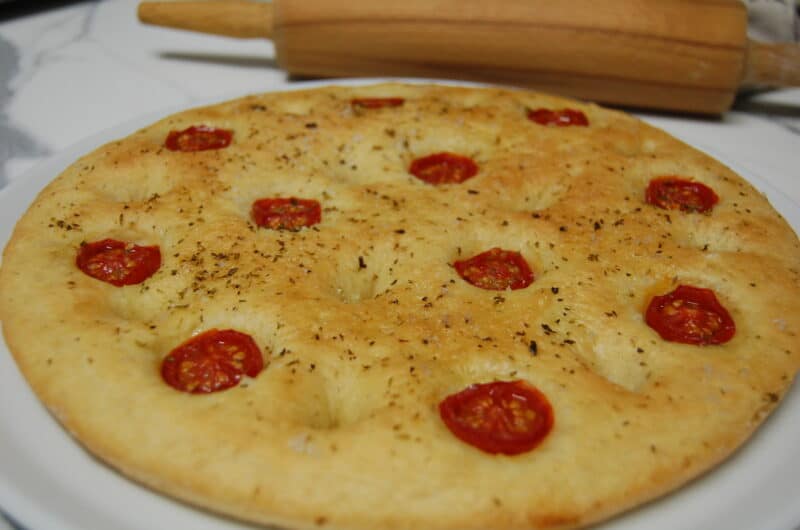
point(405, 306)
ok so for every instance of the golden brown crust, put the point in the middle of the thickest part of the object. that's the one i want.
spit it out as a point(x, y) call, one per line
point(366, 326)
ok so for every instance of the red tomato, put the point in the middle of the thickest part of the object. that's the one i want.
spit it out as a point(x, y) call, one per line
point(443, 168)
point(560, 118)
point(376, 103)
point(118, 262)
point(286, 213)
point(212, 361)
point(496, 269)
point(673, 193)
point(690, 315)
point(508, 417)
point(198, 138)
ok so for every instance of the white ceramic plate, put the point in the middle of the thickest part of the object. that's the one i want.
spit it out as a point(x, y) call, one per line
point(47, 481)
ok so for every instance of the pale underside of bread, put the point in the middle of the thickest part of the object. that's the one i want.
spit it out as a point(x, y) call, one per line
point(366, 326)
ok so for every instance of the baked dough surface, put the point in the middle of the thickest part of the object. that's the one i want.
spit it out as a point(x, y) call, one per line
point(365, 325)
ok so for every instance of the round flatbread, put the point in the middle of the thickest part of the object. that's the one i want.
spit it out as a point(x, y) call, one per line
point(405, 306)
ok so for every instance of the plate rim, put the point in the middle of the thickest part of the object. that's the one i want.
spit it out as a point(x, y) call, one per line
point(34, 513)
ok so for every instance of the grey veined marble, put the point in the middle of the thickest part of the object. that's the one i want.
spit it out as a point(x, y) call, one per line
point(13, 142)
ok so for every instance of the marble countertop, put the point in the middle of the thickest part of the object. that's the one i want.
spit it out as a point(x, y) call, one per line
point(70, 70)
point(78, 68)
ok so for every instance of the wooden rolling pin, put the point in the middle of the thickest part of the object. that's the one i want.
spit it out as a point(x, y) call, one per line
point(675, 55)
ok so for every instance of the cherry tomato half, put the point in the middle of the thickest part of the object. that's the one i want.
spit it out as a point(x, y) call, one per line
point(198, 138)
point(212, 361)
point(673, 193)
point(560, 118)
point(690, 315)
point(508, 417)
point(118, 262)
point(496, 270)
point(286, 213)
point(443, 168)
point(376, 103)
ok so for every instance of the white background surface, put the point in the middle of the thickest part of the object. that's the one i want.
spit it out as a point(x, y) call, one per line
point(76, 71)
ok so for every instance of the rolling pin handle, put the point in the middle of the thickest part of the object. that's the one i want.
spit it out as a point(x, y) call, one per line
point(772, 64)
point(235, 18)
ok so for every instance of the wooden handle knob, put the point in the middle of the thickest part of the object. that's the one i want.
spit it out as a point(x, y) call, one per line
point(772, 64)
point(235, 18)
